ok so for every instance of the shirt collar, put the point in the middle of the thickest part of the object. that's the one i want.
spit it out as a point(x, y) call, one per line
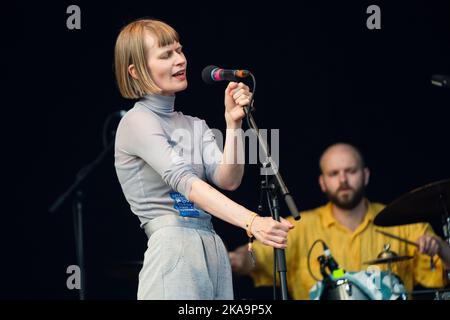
point(328, 218)
point(159, 103)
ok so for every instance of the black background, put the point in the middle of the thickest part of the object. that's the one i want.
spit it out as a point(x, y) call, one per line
point(322, 77)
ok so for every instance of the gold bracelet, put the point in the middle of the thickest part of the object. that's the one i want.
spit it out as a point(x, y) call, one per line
point(248, 226)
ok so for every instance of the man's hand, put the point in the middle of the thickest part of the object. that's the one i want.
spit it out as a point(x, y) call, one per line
point(241, 261)
point(430, 245)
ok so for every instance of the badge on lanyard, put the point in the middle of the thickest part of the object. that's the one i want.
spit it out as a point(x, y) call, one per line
point(183, 205)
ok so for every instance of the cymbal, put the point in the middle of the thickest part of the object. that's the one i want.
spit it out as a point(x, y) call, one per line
point(419, 205)
point(389, 259)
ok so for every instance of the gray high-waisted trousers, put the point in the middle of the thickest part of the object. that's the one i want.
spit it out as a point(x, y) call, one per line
point(185, 260)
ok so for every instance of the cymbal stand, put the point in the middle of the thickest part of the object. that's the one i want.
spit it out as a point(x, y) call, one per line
point(445, 223)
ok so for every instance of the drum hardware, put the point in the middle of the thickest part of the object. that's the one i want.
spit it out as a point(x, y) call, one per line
point(442, 295)
point(387, 256)
point(432, 264)
point(342, 289)
point(337, 284)
point(337, 289)
point(431, 294)
point(420, 205)
point(362, 285)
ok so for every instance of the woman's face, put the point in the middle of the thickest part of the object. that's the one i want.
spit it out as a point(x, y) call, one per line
point(166, 65)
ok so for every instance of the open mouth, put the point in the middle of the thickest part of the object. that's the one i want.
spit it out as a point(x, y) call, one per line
point(179, 73)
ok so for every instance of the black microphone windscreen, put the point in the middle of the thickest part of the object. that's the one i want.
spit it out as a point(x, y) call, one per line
point(206, 74)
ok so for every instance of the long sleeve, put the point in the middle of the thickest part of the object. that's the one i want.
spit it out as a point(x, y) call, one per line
point(141, 135)
point(212, 155)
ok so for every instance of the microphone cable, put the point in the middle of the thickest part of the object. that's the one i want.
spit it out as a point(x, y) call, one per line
point(309, 259)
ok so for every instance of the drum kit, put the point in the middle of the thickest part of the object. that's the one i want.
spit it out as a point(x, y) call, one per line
point(424, 204)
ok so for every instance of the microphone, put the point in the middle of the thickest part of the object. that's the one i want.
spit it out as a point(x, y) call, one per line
point(336, 271)
point(211, 74)
point(440, 80)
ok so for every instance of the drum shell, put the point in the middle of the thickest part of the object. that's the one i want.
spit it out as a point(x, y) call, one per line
point(343, 290)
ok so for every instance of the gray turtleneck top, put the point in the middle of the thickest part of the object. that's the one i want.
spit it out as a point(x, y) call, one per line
point(158, 154)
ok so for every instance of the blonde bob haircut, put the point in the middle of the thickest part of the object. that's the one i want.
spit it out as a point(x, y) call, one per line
point(130, 49)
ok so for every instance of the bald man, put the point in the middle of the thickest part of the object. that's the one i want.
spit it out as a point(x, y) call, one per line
point(345, 224)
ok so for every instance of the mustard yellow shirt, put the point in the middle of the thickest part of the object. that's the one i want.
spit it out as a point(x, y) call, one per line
point(349, 248)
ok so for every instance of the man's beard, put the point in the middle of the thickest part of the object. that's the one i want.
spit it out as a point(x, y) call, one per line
point(349, 202)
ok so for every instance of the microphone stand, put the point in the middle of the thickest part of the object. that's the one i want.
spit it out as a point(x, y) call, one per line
point(271, 193)
point(78, 212)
